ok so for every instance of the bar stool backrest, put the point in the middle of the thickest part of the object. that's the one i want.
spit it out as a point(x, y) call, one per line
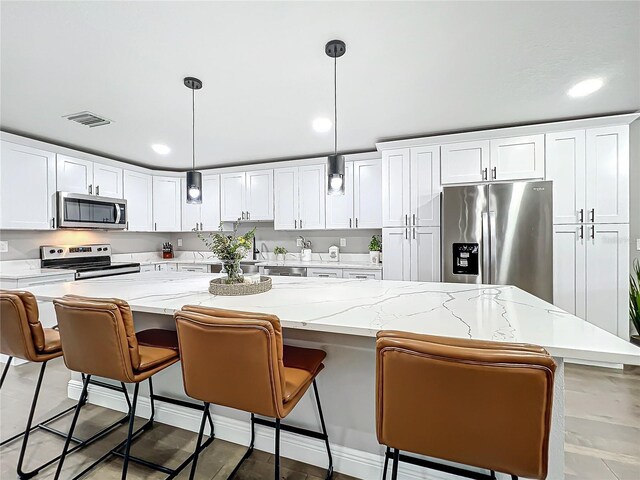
point(98, 337)
point(232, 358)
point(21, 333)
point(482, 404)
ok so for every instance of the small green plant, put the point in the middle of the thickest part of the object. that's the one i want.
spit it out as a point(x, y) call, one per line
point(375, 245)
point(280, 251)
point(634, 296)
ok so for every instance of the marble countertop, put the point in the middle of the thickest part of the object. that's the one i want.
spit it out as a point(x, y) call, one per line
point(363, 307)
point(22, 269)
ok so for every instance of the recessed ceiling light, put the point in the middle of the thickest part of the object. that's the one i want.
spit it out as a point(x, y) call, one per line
point(322, 124)
point(586, 87)
point(160, 148)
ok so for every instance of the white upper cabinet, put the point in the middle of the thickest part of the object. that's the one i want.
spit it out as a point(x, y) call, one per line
point(367, 189)
point(138, 192)
point(191, 212)
point(466, 162)
point(425, 186)
point(286, 198)
point(517, 158)
point(566, 167)
point(107, 180)
point(411, 187)
point(27, 188)
point(300, 197)
point(232, 198)
point(340, 208)
point(395, 187)
point(76, 175)
point(311, 192)
point(361, 204)
point(246, 195)
point(167, 201)
point(210, 208)
point(259, 195)
point(608, 174)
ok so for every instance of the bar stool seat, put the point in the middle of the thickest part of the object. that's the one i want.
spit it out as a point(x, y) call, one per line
point(152, 360)
point(51, 341)
point(301, 366)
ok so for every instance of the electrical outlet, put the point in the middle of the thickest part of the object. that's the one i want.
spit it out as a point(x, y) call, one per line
point(179, 242)
point(298, 242)
point(343, 242)
point(4, 247)
point(637, 244)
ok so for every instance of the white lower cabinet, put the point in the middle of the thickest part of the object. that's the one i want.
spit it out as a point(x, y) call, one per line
point(591, 272)
point(166, 204)
point(324, 272)
point(411, 253)
point(362, 274)
point(191, 267)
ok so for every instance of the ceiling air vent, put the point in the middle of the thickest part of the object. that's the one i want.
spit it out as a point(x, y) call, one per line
point(87, 118)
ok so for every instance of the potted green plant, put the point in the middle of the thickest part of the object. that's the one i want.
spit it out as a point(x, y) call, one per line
point(229, 249)
point(375, 248)
point(280, 253)
point(634, 301)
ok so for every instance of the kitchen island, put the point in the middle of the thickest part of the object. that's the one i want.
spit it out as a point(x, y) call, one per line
point(342, 317)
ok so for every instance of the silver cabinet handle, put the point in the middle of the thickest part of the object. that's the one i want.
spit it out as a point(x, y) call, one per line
point(406, 234)
point(196, 226)
point(201, 226)
point(593, 214)
point(414, 233)
point(361, 276)
point(248, 216)
point(581, 232)
point(593, 231)
point(414, 219)
point(484, 174)
point(494, 173)
point(406, 219)
point(242, 215)
point(53, 222)
point(356, 222)
point(127, 224)
point(90, 189)
point(295, 224)
point(155, 226)
point(300, 223)
point(323, 275)
point(581, 215)
point(97, 189)
point(349, 223)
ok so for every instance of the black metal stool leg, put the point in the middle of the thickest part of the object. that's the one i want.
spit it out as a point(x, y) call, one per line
point(72, 427)
point(199, 441)
point(27, 431)
point(132, 418)
point(324, 431)
point(153, 404)
point(5, 370)
point(513, 477)
point(277, 450)
point(249, 451)
point(386, 463)
point(396, 458)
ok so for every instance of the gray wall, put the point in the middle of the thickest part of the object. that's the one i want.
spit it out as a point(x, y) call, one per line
point(634, 189)
point(267, 238)
point(24, 244)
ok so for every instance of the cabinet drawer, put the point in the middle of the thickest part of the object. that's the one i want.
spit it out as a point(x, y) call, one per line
point(324, 272)
point(188, 267)
point(362, 274)
point(147, 268)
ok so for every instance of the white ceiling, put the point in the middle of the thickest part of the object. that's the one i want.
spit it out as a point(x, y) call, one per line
point(410, 69)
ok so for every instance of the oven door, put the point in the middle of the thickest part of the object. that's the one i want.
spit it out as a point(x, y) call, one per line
point(76, 210)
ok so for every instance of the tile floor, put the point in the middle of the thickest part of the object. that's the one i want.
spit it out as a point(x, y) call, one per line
point(602, 432)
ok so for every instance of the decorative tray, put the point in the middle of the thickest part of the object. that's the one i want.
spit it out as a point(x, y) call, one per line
point(218, 287)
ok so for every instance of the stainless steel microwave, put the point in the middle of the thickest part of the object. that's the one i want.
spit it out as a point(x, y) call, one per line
point(76, 210)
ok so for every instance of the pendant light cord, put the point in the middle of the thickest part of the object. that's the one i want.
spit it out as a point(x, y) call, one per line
point(193, 127)
point(335, 105)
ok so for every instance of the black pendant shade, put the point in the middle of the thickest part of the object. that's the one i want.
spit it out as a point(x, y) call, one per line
point(194, 187)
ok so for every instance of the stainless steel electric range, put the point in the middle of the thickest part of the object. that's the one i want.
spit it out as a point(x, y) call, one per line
point(89, 261)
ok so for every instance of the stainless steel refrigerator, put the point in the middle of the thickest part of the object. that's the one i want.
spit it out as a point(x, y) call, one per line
point(500, 234)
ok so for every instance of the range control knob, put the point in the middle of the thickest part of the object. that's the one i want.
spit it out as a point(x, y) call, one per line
point(60, 250)
point(52, 251)
point(99, 249)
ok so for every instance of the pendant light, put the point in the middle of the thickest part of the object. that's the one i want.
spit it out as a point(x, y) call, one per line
point(335, 162)
point(194, 178)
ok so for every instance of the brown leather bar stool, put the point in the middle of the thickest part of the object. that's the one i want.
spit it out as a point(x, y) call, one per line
point(247, 368)
point(482, 404)
point(98, 338)
point(22, 336)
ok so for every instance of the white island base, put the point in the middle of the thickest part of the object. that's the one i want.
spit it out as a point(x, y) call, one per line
point(342, 317)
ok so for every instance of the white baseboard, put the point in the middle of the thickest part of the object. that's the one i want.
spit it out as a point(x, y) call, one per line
point(349, 461)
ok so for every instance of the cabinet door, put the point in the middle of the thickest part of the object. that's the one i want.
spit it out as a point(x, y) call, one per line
point(465, 162)
point(210, 209)
point(340, 207)
point(259, 195)
point(107, 180)
point(138, 192)
point(27, 187)
point(425, 186)
point(607, 287)
point(191, 212)
point(232, 196)
point(395, 187)
point(286, 198)
point(324, 272)
point(566, 164)
point(311, 192)
point(608, 174)
point(569, 250)
point(75, 175)
point(517, 158)
point(166, 204)
point(425, 254)
point(396, 248)
point(367, 193)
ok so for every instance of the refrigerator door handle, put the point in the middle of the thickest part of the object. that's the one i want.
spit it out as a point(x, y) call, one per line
point(492, 247)
point(486, 265)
